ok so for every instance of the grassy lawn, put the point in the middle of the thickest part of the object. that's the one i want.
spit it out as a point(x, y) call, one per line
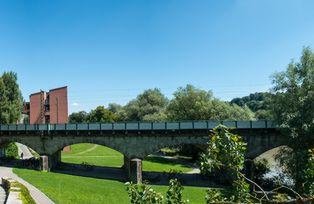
point(103, 156)
point(63, 188)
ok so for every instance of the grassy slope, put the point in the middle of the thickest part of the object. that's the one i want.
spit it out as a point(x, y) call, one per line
point(103, 156)
point(63, 188)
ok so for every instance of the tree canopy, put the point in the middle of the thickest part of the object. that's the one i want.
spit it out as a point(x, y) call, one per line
point(101, 114)
point(190, 103)
point(148, 106)
point(11, 101)
point(259, 103)
point(293, 110)
point(78, 117)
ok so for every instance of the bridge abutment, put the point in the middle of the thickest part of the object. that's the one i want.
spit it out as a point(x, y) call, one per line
point(133, 168)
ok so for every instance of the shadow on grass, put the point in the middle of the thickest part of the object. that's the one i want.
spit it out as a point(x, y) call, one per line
point(119, 174)
point(169, 160)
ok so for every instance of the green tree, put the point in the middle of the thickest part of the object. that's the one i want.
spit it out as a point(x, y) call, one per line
point(11, 100)
point(293, 110)
point(259, 103)
point(225, 157)
point(118, 110)
point(78, 117)
point(101, 114)
point(148, 106)
point(190, 103)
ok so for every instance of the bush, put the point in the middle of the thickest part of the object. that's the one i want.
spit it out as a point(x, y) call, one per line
point(225, 153)
point(11, 151)
point(143, 194)
point(214, 196)
point(174, 193)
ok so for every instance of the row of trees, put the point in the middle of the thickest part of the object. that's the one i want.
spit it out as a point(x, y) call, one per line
point(189, 103)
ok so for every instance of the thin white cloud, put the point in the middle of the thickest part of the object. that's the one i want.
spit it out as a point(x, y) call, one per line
point(75, 104)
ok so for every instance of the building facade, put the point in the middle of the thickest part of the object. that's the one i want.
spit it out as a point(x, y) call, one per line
point(48, 107)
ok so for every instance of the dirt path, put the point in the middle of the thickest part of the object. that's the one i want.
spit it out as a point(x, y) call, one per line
point(88, 150)
point(36, 194)
point(24, 149)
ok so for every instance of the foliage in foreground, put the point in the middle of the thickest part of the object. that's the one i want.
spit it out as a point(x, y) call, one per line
point(293, 110)
point(225, 154)
point(144, 194)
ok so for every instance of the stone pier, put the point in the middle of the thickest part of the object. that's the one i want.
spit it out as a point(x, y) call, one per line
point(133, 168)
point(48, 162)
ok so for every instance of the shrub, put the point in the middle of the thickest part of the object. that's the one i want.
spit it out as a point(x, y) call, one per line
point(143, 194)
point(214, 196)
point(174, 193)
point(225, 153)
point(11, 151)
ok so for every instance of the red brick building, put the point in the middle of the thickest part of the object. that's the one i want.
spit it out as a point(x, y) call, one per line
point(48, 107)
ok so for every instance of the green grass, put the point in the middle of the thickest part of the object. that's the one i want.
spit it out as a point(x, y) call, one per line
point(103, 156)
point(63, 188)
point(99, 155)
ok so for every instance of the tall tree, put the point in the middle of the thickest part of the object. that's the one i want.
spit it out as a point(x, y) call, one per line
point(294, 110)
point(190, 103)
point(11, 100)
point(149, 106)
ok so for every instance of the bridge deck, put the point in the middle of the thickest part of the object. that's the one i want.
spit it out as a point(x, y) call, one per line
point(129, 126)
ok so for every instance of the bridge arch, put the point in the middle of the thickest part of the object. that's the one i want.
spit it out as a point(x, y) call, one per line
point(27, 143)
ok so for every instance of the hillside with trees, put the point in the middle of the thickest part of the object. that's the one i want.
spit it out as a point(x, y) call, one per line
point(259, 103)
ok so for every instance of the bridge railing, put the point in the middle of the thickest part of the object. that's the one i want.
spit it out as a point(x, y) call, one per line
point(131, 126)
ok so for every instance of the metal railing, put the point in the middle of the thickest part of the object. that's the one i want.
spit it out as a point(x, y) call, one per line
point(132, 126)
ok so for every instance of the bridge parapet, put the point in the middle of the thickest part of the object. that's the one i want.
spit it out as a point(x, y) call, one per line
point(140, 126)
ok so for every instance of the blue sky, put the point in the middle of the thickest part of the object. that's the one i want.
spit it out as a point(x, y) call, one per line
point(110, 51)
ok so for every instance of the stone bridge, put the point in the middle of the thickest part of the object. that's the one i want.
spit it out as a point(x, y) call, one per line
point(135, 140)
